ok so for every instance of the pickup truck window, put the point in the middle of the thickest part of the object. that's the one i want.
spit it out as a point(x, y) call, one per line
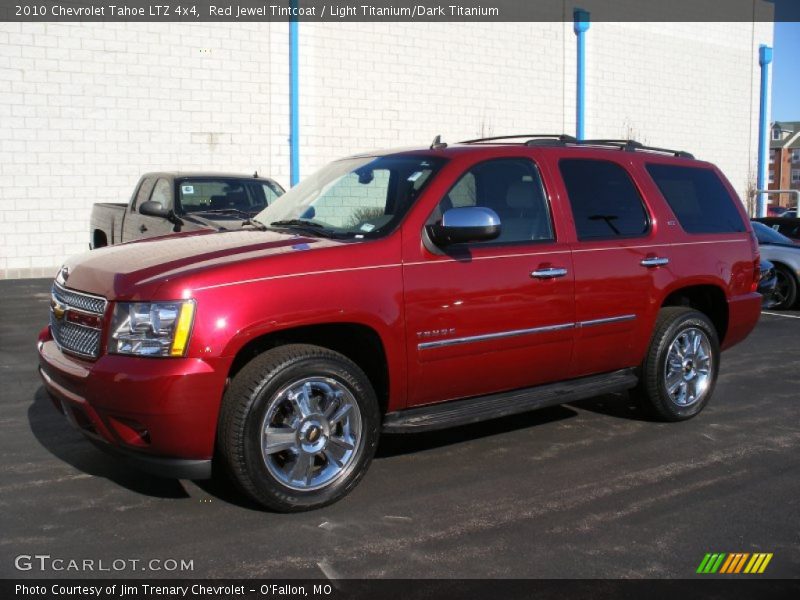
point(198, 195)
point(605, 203)
point(698, 198)
point(161, 193)
point(363, 197)
point(513, 189)
point(144, 191)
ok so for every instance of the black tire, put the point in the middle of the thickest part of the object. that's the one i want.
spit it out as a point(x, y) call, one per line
point(672, 324)
point(245, 407)
point(784, 296)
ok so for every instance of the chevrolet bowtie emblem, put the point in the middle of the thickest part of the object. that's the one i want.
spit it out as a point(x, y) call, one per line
point(59, 310)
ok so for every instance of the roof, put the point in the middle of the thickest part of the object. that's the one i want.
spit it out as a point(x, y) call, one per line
point(541, 142)
point(792, 140)
point(199, 174)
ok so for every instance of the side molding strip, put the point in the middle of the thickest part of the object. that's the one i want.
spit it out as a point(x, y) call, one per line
point(517, 332)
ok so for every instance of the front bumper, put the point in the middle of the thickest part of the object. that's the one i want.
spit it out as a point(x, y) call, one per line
point(159, 414)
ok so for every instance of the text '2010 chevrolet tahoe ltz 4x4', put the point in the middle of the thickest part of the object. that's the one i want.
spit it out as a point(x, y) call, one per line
point(400, 292)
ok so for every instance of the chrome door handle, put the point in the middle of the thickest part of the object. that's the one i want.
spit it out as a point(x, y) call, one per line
point(548, 273)
point(654, 261)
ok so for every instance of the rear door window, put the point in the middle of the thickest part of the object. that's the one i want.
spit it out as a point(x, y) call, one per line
point(698, 198)
point(605, 202)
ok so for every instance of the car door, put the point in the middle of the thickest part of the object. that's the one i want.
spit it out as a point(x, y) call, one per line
point(616, 256)
point(138, 226)
point(489, 316)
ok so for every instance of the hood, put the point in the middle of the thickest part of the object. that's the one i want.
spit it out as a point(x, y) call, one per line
point(135, 270)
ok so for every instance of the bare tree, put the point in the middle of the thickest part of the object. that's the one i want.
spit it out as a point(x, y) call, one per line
point(750, 199)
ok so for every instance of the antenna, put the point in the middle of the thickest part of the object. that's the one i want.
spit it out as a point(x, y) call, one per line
point(255, 174)
point(438, 144)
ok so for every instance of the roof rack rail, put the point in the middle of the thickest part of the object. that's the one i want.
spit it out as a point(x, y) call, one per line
point(633, 146)
point(561, 139)
point(557, 137)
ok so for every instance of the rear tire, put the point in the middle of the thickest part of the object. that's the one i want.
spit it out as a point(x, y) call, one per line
point(784, 296)
point(680, 370)
point(298, 427)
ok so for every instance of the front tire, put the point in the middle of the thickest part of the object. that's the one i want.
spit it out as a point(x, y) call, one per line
point(680, 370)
point(298, 427)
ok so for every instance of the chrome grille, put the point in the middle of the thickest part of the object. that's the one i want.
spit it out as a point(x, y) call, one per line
point(76, 338)
point(85, 302)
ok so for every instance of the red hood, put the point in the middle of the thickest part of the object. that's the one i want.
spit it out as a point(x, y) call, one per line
point(136, 270)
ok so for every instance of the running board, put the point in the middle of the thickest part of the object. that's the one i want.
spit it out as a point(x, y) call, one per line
point(493, 406)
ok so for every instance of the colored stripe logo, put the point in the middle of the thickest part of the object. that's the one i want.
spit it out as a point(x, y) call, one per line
point(734, 563)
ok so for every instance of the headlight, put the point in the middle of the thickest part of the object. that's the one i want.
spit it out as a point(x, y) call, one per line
point(151, 328)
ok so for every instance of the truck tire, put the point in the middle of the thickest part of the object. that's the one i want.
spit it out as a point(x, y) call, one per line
point(298, 427)
point(680, 369)
point(785, 294)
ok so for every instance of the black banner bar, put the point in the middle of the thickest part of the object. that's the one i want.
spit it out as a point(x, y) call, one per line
point(399, 10)
point(706, 587)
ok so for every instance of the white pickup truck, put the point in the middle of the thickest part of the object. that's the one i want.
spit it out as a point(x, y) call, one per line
point(168, 202)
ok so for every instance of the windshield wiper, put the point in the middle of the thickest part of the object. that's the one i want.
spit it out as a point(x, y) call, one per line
point(224, 211)
point(205, 222)
point(303, 225)
point(255, 223)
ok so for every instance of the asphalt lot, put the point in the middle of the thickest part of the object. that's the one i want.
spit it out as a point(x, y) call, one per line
point(591, 490)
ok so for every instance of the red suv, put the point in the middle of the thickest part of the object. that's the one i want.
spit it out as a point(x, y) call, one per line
point(401, 292)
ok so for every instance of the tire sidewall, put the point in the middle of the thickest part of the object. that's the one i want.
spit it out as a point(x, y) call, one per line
point(272, 383)
point(691, 320)
point(791, 297)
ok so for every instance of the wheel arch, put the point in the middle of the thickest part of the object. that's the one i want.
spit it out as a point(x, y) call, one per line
point(359, 342)
point(708, 298)
point(99, 239)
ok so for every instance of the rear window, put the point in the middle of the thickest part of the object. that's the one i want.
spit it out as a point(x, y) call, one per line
point(698, 198)
point(605, 202)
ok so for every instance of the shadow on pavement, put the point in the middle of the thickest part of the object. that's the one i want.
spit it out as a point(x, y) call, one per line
point(621, 406)
point(399, 444)
point(58, 437)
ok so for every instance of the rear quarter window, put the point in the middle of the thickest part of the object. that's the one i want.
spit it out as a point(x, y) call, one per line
point(604, 200)
point(699, 199)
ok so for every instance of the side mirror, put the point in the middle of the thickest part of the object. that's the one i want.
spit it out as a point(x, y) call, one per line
point(467, 224)
point(151, 208)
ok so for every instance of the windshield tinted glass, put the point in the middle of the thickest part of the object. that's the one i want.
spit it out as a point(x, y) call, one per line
point(357, 197)
point(205, 194)
point(767, 235)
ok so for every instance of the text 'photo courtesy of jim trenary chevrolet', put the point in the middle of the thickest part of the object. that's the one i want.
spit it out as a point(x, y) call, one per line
point(400, 300)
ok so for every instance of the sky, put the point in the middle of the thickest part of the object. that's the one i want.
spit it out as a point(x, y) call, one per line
point(785, 72)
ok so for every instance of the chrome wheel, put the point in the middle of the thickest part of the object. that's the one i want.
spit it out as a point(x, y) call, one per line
point(687, 375)
point(311, 433)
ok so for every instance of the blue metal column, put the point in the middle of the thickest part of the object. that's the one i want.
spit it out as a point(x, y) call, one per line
point(764, 59)
point(294, 101)
point(581, 25)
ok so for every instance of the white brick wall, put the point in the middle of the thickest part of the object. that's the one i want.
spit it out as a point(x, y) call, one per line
point(86, 108)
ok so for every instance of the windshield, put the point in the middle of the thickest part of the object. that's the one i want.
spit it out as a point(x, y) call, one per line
point(199, 195)
point(767, 235)
point(357, 197)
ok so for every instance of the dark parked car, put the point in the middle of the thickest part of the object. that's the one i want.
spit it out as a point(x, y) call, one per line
point(788, 226)
point(776, 211)
point(164, 203)
point(785, 255)
point(767, 283)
